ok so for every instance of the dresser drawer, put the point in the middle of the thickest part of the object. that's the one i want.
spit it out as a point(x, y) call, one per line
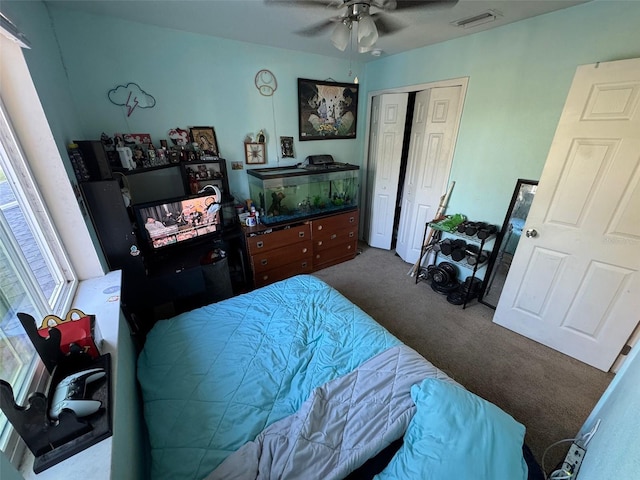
point(336, 254)
point(271, 259)
point(332, 224)
point(278, 238)
point(332, 239)
point(270, 276)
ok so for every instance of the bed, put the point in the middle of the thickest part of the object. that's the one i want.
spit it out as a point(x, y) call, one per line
point(294, 381)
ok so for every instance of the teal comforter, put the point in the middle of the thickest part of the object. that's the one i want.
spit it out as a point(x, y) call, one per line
point(214, 378)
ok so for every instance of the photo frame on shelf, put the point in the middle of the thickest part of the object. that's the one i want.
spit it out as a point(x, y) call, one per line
point(255, 153)
point(327, 110)
point(205, 137)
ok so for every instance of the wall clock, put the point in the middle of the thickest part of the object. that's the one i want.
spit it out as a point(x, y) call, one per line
point(255, 153)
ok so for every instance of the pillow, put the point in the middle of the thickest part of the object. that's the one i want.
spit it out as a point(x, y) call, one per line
point(456, 434)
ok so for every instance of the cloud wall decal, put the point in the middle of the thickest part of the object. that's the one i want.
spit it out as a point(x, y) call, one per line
point(131, 96)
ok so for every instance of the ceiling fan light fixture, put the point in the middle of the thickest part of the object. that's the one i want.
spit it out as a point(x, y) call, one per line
point(367, 32)
point(341, 35)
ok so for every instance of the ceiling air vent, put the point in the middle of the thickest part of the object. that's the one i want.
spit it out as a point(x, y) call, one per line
point(480, 19)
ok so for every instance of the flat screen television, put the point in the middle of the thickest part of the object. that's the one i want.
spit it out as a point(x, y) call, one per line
point(180, 220)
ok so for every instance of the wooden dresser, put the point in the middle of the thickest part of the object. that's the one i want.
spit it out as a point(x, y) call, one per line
point(293, 248)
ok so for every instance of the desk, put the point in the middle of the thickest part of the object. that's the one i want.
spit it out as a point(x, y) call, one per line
point(182, 277)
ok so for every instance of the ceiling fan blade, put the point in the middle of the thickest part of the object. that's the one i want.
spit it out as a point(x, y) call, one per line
point(307, 3)
point(414, 4)
point(316, 29)
point(386, 25)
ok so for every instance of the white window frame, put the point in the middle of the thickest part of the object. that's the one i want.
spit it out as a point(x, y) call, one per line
point(19, 175)
point(16, 87)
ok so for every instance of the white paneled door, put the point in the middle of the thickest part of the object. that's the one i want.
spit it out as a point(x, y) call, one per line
point(388, 116)
point(436, 118)
point(574, 283)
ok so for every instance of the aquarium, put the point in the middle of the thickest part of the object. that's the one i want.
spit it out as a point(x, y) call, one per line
point(284, 194)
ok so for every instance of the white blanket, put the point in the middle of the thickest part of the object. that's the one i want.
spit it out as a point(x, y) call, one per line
point(343, 424)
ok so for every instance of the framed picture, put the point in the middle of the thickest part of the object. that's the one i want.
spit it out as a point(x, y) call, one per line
point(205, 137)
point(286, 147)
point(255, 153)
point(326, 110)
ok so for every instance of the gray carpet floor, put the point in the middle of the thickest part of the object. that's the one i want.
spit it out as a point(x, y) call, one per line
point(550, 393)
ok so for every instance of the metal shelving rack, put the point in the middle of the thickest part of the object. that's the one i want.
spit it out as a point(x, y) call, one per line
point(437, 238)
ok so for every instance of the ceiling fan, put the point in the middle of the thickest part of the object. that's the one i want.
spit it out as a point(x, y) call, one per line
point(358, 17)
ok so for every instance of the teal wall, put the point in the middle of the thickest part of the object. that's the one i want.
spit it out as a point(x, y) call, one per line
point(519, 76)
point(196, 80)
point(614, 451)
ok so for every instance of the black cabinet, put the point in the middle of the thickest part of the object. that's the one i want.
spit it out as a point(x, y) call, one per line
point(116, 236)
point(112, 223)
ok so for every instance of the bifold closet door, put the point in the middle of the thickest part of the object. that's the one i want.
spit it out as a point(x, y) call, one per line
point(388, 116)
point(436, 117)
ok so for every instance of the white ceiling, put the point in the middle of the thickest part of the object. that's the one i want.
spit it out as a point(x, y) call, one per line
point(275, 24)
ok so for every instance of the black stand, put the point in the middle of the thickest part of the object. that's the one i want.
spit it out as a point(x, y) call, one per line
point(53, 441)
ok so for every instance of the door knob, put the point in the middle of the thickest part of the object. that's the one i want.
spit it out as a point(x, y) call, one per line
point(531, 233)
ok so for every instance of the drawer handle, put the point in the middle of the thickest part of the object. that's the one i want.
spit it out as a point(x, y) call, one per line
point(318, 256)
point(334, 236)
point(319, 242)
point(352, 219)
point(304, 264)
point(264, 261)
point(301, 234)
point(349, 247)
point(351, 234)
point(259, 244)
point(265, 277)
point(319, 227)
point(304, 250)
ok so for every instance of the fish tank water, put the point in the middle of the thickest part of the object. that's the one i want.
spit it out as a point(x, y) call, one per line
point(285, 194)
